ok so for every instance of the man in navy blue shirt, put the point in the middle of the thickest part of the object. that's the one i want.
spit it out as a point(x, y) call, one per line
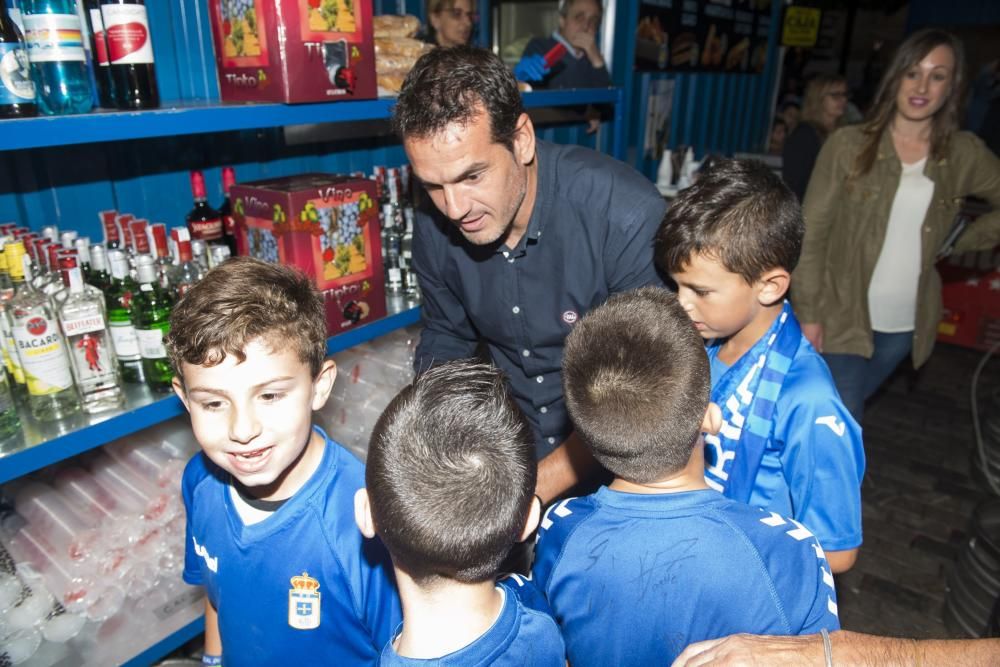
point(527, 237)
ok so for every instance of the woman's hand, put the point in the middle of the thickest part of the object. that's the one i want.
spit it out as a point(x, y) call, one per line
point(814, 334)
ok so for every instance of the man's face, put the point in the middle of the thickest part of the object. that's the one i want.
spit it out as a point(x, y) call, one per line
point(254, 418)
point(476, 183)
point(582, 16)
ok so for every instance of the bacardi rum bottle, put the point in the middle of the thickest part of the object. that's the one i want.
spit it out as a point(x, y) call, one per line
point(40, 346)
point(151, 307)
point(85, 325)
point(118, 299)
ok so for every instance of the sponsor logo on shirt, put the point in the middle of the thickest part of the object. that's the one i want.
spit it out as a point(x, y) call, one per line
point(835, 425)
point(212, 563)
point(570, 317)
point(303, 602)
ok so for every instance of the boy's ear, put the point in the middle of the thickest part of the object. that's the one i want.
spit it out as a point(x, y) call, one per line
point(363, 513)
point(534, 516)
point(178, 386)
point(773, 286)
point(713, 419)
point(323, 384)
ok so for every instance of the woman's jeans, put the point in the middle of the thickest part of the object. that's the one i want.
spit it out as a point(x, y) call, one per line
point(857, 378)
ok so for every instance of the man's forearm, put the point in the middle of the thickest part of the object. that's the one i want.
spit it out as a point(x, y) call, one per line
point(567, 465)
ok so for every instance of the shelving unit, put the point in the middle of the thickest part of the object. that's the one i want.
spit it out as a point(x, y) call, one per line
point(184, 119)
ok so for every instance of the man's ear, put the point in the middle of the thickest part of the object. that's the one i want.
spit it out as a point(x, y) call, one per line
point(773, 286)
point(363, 513)
point(534, 516)
point(178, 386)
point(524, 140)
point(323, 384)
point(713, 419)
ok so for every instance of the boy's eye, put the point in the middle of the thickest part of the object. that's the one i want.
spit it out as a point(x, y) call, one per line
point(211, 405)
point(271, 396)
point(700, 292)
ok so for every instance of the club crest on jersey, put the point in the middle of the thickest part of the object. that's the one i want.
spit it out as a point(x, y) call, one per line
point(303, 603)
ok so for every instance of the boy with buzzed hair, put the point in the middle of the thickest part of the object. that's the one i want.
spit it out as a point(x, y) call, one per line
point(270, 529)
point(450, 490)
point(787, 443)
point(657, 559)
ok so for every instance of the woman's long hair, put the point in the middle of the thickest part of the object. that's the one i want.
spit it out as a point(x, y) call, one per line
point(812, 104)
point(883, 110)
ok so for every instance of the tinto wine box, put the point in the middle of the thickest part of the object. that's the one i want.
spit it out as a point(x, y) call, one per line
point(294, 50)
point(327, 226)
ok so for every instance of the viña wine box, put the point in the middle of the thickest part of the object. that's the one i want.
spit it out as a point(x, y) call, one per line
point(326, 225)
point(294, 50)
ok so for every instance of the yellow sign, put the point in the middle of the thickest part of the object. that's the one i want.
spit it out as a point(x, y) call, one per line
point(801, 26)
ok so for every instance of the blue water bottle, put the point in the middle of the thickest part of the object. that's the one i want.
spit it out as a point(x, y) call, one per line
point(54, 37)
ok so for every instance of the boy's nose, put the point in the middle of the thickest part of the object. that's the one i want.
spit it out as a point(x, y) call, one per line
point(244, 426)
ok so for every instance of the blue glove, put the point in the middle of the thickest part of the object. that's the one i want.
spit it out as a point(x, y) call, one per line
point(531, 68)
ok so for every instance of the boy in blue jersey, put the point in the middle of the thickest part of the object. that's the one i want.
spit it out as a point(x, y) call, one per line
point(787, 443)
point(450, 490)
point(657, 560)
point(270, 521)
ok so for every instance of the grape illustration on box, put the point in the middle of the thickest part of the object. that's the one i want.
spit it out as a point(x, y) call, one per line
point(327, 16)
point(243, 33)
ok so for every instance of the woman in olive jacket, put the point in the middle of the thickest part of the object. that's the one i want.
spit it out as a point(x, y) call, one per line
point(881, 201)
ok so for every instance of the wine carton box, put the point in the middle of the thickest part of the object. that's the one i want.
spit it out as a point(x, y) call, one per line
point(327, 226)
point(294, 50)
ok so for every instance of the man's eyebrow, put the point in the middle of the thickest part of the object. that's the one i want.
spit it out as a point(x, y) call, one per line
point(469, 171)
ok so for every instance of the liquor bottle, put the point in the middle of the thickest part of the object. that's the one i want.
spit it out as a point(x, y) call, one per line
point(11, 360)
point(82, 246)
point(112, 236)
point(200, 253)
point(99, 48)
point(218, 254)
point(186, 272)
point(151, 308)
point(204, 222)
point(55, 51)
point(85, 325)
point(157, 233)
point(67, 238)
point(40, 345)
point(50, 232)
point(17, 90)
point(226, 210)
point(122, 326)
point(100, 276)
point(10, 424)
point(130, 50)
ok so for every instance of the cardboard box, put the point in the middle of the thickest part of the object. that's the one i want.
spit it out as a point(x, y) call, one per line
point(971, 307)
point(327, 226)
point(294, 50)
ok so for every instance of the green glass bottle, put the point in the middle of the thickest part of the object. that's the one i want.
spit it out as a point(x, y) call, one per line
point(121, 324)
point(99, 276)
point(10, 425)
point(151, 310)
point(40, 344)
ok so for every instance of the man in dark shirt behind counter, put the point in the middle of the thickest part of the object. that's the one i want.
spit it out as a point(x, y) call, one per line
point(527, 237)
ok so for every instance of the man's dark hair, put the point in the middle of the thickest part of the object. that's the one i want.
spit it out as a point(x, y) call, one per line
point(636, 380)
point(452, 85)
point(451, 473)
point(739, 213)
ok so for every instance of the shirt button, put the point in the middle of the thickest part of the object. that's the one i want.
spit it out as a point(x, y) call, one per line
point(543, 409)
point(525, 353)
point(552, 441)
point(539, 379)
point(510, 261)
point(515, 310)
point(506, 254)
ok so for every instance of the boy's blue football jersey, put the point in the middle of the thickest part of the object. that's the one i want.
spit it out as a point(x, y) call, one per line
point(524, 635)
point(303, 586)
point(632, 579)
point(815, 460)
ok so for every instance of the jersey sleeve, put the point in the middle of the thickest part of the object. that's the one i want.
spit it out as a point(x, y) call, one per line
point(822, 457)
point(556, 526)
point(194, 473)
point(447, 332)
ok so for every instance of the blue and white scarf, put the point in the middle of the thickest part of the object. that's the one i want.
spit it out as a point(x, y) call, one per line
point(747, 395)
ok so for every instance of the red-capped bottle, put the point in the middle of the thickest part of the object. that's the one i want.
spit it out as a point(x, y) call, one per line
point(112, 236)
point(204, 222)
point(226, 210)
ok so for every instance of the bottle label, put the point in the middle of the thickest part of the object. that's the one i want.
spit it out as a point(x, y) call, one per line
point(92, 359)
point(43, 356)
point(151, 343)
point(83, 325)
point(16, 86)
point(53, 37)
point(206, 230)
point(126, 28)
point(100, 45)
point(126, 343)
